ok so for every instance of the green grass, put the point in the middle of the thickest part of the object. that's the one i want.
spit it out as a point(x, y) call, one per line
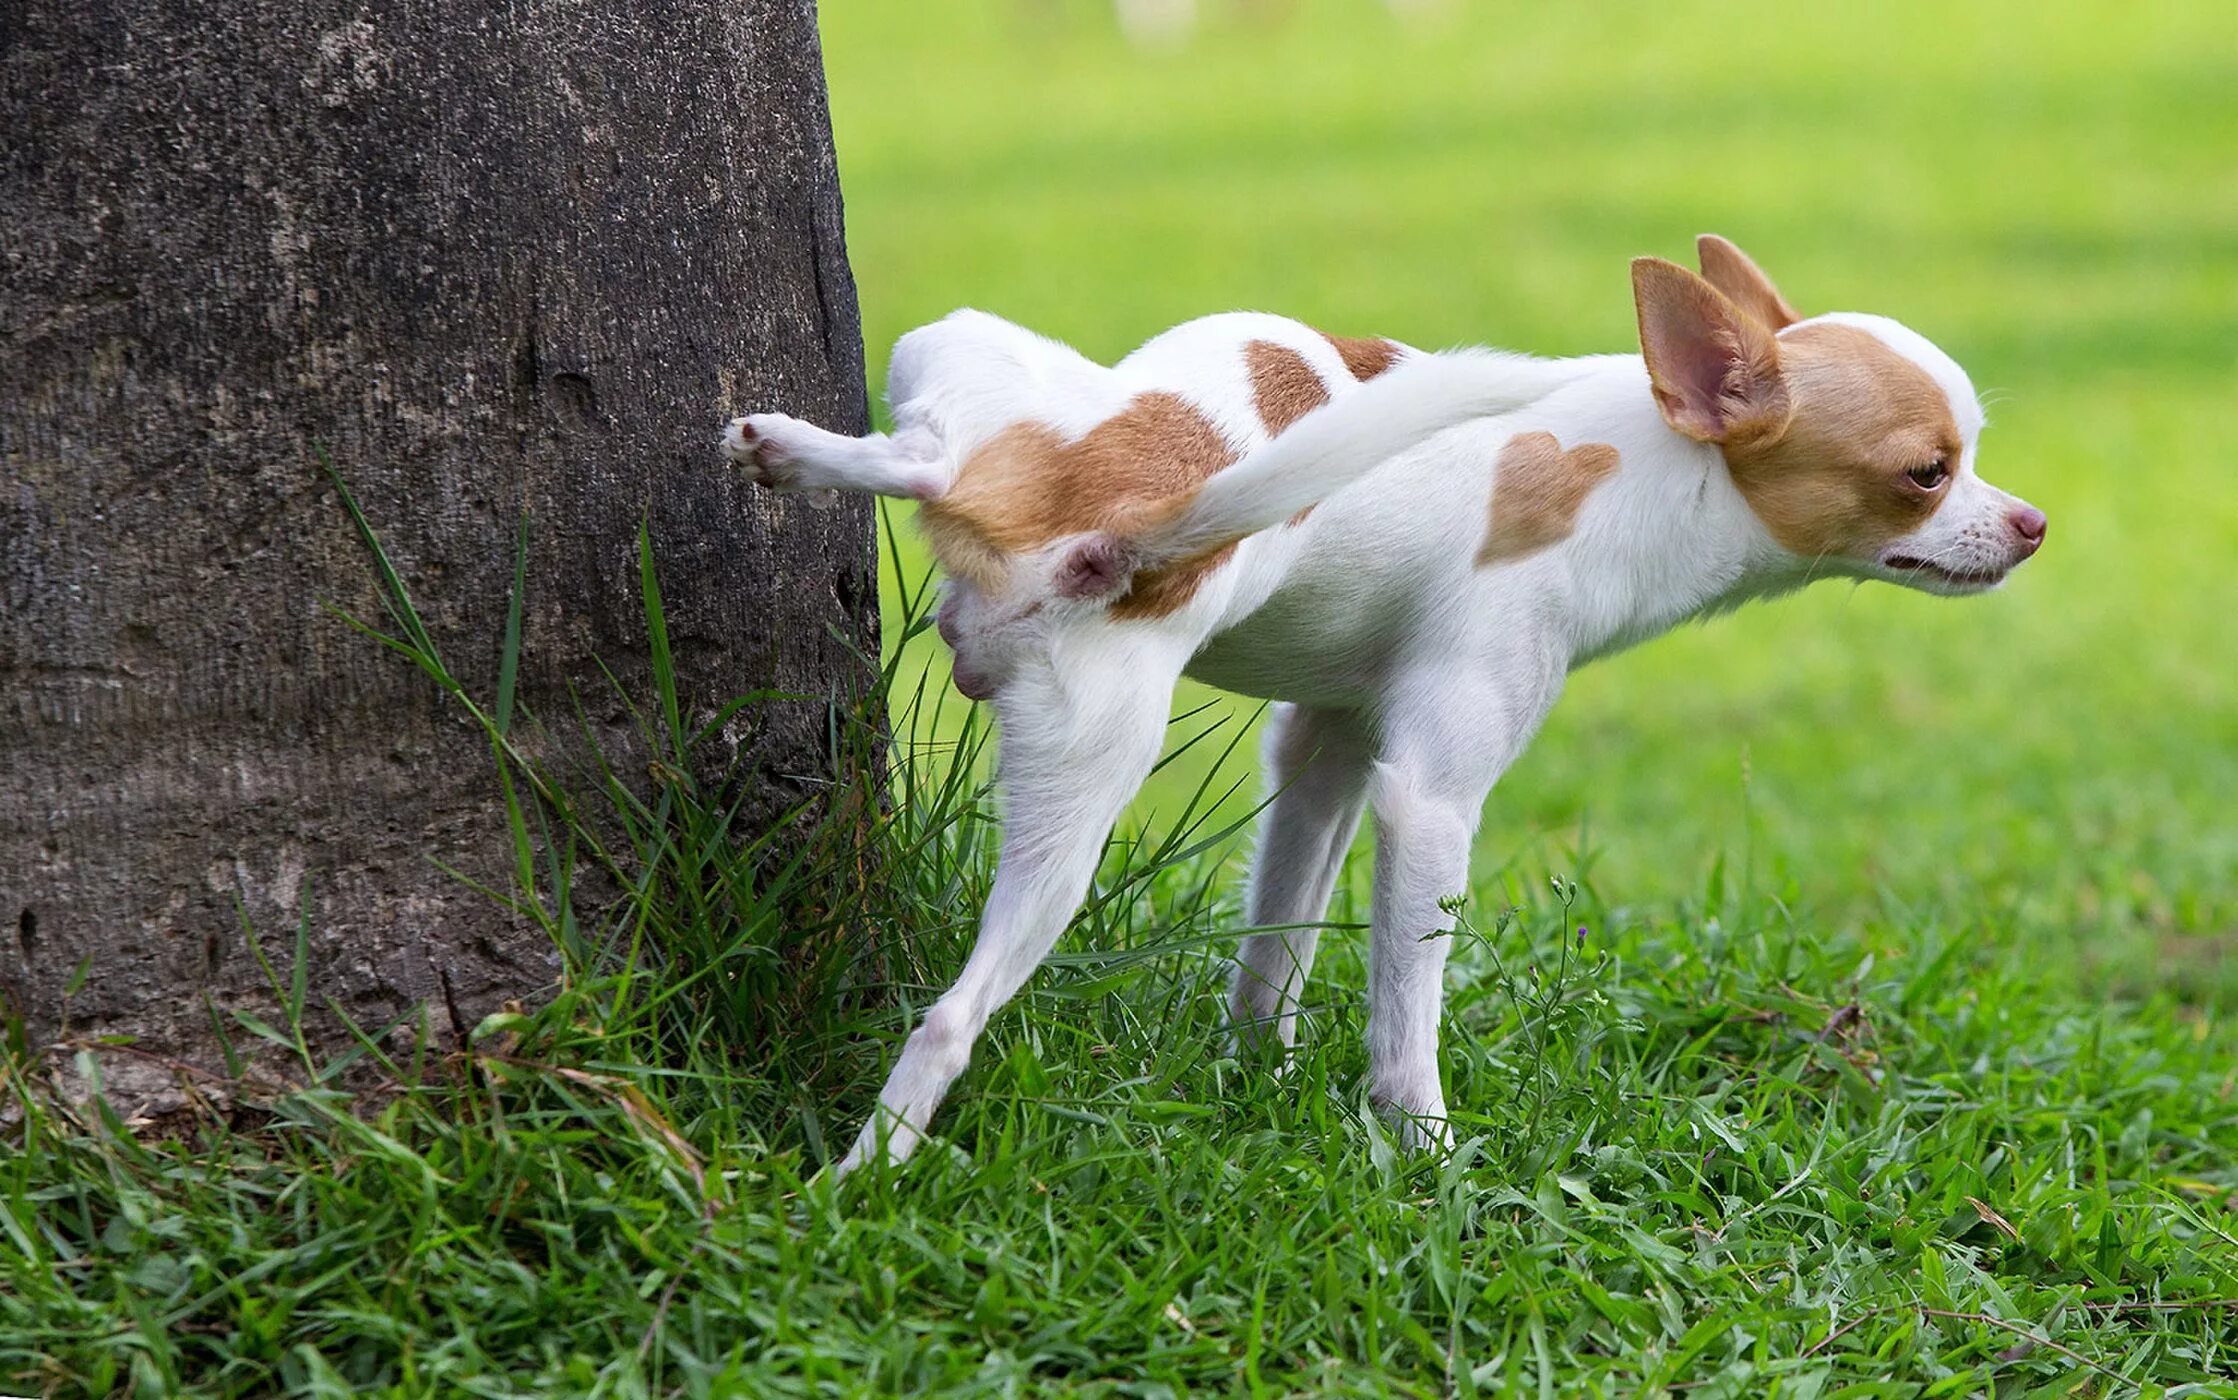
point(1896, 1057)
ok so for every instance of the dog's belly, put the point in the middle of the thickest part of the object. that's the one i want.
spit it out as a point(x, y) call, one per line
point(1314, 642)
point(1373, 574)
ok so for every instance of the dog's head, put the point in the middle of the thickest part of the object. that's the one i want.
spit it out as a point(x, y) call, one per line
point(1851, 437)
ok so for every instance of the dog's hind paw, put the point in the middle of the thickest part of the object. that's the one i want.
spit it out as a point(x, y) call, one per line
point(767, 445)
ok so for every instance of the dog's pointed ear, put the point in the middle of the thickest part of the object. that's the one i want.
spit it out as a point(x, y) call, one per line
point(1736, 274)
point(1715, 369)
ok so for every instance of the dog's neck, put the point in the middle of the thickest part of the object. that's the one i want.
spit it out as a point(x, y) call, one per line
point(1668, 537)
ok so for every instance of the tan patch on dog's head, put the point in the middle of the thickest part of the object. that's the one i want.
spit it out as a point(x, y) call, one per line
point(1028, 486)
point(1836, 482)
point(1821, 425)
point(1537, 490)
point(1284, 387)
point(1364, 358)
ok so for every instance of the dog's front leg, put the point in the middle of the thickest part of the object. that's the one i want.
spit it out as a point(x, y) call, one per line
point(1423, 831)
point(1075, 747)
point(1445, 742)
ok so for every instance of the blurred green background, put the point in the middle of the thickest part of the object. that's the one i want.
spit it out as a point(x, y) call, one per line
point(2048, 191)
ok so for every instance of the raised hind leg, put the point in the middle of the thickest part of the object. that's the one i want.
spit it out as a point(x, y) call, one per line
point(952, 385)
point(785, 453)
point(1076, 744)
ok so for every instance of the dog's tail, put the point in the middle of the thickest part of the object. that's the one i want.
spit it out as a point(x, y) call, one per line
point(1342, 441)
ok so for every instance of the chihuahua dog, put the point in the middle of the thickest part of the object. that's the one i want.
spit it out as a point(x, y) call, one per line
point(1407, 551)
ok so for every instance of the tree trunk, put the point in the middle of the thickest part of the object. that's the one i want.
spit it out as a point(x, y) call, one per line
point(494, 258)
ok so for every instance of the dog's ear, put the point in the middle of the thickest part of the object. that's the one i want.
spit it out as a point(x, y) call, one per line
point(1736, 274)
point(1715, 369)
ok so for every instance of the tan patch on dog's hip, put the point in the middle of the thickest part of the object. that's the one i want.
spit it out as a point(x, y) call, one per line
point(1027, 486)
point(1537, 490)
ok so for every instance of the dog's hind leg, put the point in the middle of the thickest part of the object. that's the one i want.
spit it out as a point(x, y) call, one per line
point(785, 453)
point(1076, 744)
point(1317, 764)
point(952, 385)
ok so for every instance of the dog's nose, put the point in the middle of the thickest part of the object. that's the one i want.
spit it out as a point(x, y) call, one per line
point(2028, 523)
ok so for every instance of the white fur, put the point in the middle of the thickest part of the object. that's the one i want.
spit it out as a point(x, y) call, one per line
point(1409, 676)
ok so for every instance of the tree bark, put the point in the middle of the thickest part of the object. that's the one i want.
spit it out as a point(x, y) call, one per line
point(495, 258)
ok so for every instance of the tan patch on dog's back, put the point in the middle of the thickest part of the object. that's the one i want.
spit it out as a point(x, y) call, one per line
point(1537, 491)
point(1364, 357)
point(1284, 387)
point(1832, 482)
point(1028, 486)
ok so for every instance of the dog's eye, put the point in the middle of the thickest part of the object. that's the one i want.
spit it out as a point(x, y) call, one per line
point(1929, 477)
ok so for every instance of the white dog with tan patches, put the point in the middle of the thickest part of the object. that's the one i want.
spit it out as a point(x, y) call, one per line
point(1409, 551)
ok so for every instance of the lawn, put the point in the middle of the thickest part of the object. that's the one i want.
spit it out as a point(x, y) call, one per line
point(1846, 1002)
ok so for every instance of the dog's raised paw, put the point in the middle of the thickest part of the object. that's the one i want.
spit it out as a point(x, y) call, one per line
point(762, 444)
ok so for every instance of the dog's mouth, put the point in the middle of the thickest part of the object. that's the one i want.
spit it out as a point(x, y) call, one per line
point(1927, 571)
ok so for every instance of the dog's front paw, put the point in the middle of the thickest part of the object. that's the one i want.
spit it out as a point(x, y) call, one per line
point(1420, 1133)
point(765, 445)
point(1416, 1115)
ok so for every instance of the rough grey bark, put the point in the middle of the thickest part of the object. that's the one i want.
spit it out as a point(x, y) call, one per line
point(496, 258)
